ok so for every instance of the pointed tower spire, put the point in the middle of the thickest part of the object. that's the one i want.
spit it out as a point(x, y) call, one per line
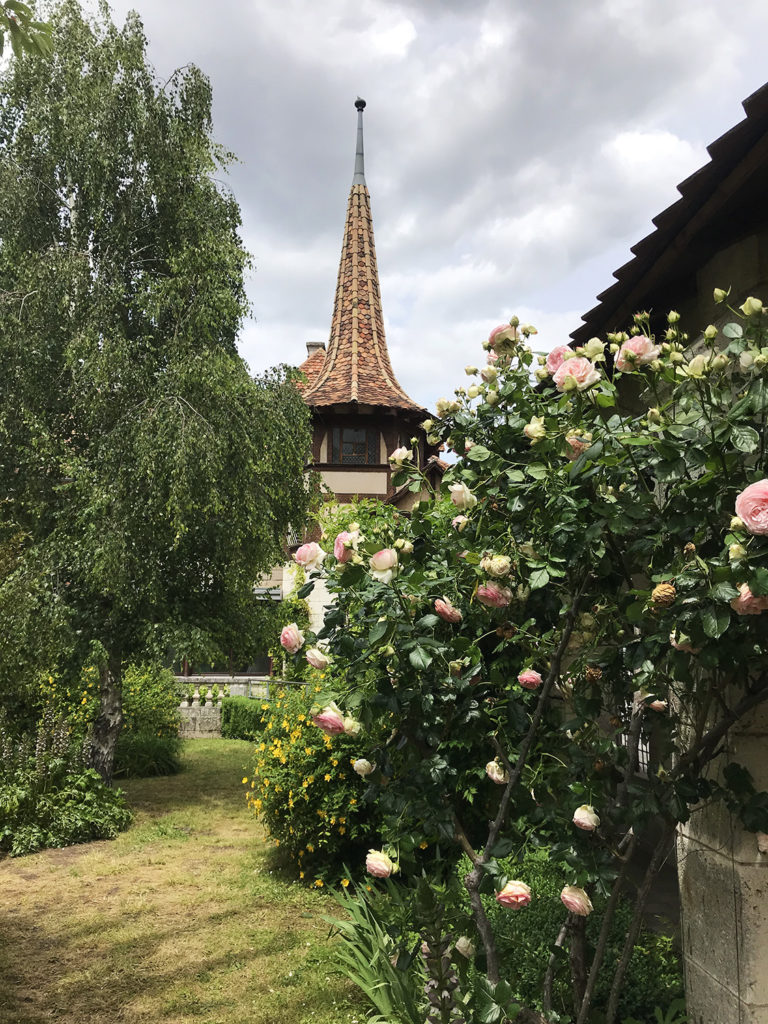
point(359, 177)
point(356, 367)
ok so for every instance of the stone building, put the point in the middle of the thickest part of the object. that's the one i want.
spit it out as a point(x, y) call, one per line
point(715, 235)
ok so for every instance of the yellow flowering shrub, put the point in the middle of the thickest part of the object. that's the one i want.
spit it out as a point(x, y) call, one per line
point(302, 787)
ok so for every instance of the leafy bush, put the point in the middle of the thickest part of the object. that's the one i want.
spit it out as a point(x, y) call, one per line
point(149, 743)
point(150, 700)
point(241, 718)
point(525, 939)
point(304, 790)
point(48, 797)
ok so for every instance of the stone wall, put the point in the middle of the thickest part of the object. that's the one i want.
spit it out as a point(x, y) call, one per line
point(199, 722)
point(724, 895)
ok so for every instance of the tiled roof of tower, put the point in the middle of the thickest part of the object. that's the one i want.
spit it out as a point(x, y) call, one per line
point(356, 367)
point(311, 367)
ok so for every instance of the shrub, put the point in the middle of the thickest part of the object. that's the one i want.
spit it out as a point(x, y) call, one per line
point(241, 718)
point(48, 797)
point(149, 743)
point(304, 790)
point(525, 939)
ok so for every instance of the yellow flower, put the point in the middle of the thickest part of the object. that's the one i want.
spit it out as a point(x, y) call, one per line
point(423, 845)
point(310, 847)
point(245, 780)
point(345, 882)
point(327, 777)
point(319, 883)
point(352, 802)
point(318, 689)
point(342, 830)
point(301, 874)
point(277, 842)
point(307, 750)
point(334, 761)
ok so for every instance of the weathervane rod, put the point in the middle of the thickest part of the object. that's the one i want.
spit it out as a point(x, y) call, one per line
point(359, 177)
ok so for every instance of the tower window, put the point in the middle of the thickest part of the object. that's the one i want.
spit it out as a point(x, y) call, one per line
point(354, 446)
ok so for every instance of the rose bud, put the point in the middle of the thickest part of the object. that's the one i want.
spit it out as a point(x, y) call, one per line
point(576, 900)
point(461, 496)
point(529, 679)
point(584, 817)
point(330, 720)
point(363, 767)
point(291, 638)
point(515, 894)
point(384, 565)
point(317, 659)
point(309, 556)
point(494, 596)
point(459, 522)
point(497, 773)
point(464, 947)
point(446, 610)
point(379, 864)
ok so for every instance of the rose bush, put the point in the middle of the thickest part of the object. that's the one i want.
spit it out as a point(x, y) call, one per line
point(622, 574)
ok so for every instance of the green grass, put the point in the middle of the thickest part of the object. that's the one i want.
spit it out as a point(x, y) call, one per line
point(179, 920)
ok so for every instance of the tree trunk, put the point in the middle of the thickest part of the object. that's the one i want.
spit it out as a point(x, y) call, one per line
point(106, 728)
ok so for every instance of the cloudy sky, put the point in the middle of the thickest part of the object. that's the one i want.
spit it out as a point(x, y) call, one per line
point(514, 150)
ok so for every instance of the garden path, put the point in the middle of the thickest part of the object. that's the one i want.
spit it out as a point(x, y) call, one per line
point(178, 920)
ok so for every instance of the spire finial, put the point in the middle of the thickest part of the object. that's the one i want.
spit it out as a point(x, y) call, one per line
point(359, 176)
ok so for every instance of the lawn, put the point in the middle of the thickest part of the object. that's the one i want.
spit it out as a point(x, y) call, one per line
point(178, 920)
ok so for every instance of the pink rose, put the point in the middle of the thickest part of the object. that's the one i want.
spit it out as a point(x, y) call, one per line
point(576, 900)
point(494, 596)
point(459, 522)
point(317, 659)
point(379, 864)
point(309, 556)
point(330, 720)
point(291, 638)
point(635, 352)
point(575, 374)
point(515, 894)
point(584, 817)
point(577, 445)
point(342, 546)
point(748, 603)
point(658, 705)
point(557, 357)
point(529, 679)
point(501, 336)
point(384, 565)
point(446, 611)
point(752, 508)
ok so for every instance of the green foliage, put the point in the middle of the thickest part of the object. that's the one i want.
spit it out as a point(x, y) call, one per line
point(139, 755)
point(150, 477)
point(241, 718)
point(27, 35)
point(149, 742)
point(292, 609)
point(48, 797)
point(370, 957)
point(583, 592)
point(526, 937)
point(303, 788)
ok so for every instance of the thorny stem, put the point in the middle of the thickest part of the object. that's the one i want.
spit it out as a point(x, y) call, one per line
point(549, 976)
point(602, 941)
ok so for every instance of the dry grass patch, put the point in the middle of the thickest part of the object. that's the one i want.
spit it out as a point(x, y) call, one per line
point(177, 920)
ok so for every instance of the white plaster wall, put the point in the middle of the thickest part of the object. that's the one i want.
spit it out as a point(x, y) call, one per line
point(346, 481)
